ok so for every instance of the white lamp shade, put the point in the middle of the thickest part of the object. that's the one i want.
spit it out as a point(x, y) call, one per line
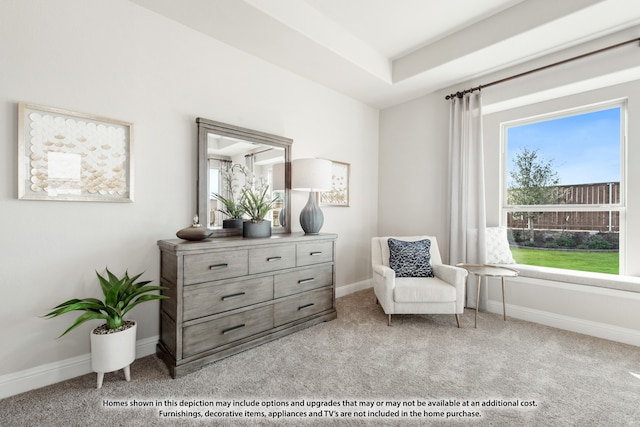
point(278, 177)
point(311, 174)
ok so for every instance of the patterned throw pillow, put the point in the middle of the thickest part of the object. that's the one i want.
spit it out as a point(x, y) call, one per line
point(410, 259)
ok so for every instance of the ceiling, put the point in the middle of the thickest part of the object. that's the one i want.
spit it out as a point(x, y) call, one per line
point(384, 52)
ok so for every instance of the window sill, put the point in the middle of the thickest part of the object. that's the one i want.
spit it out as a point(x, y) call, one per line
point(601, 280)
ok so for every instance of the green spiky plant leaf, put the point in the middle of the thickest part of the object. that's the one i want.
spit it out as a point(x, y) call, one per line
point(121, 294)
point(231, 208)
point(256, 205)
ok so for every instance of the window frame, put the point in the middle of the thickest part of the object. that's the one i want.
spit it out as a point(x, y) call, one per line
point(506, 209)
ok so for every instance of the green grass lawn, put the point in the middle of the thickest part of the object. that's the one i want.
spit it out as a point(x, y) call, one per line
point(601, 262)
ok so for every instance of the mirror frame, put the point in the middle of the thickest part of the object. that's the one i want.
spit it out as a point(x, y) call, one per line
point(206, 126)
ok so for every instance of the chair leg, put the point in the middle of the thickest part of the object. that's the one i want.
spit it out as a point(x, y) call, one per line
point(458, 319)
point(389, 320)
point(100, 378)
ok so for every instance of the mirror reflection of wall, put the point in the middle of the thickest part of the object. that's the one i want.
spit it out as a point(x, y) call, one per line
point(277, 179)
point(215, 167)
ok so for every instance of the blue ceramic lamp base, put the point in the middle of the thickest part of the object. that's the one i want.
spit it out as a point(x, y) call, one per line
point(311, 217)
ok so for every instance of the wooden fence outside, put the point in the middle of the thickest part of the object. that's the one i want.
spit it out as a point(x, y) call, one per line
point(598, 193)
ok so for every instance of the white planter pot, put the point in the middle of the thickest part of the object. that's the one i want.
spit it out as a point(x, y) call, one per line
point(111, 352)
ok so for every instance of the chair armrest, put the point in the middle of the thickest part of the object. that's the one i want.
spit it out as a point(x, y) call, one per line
point(450, 274)
point(384, 271)
point(456, 277)
point(383, 283)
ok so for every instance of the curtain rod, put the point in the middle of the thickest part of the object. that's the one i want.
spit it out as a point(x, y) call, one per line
point(460, 94)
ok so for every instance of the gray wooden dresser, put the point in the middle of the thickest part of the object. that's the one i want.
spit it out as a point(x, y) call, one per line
point(229, 294)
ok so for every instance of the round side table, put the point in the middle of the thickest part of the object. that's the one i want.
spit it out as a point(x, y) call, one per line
point(489, 270)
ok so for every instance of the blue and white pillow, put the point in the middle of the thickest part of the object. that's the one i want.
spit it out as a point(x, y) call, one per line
point(410, 259)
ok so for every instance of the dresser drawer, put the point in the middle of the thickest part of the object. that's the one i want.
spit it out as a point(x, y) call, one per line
point(314, 253)
point(215, 266)
point(304, 305)
point(262, 260)
point(302, 280)
point(209, 298)
point(208, 335)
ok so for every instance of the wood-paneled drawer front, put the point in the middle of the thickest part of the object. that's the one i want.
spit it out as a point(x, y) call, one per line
point(302, 280)
point(215, 266)
point(208, 298)
point(207, 335)
point(304, 305)
point(262, 260)
point(314, 253)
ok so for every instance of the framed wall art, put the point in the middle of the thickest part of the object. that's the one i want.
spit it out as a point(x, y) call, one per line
point(64, 155)
point(339, 194)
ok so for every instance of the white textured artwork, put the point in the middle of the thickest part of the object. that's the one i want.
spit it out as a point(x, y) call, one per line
point(73, 158)
point(339, 193)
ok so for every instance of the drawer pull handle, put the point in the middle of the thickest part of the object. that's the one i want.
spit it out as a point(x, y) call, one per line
point(274, 258)
point(304, 307)
point(218, 266)
point(235, 328)
point(228, 297)
point(315, 253)
point(303, 281)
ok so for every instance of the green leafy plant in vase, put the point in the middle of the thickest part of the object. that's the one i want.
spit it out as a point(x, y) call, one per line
point(256, 205)
point(230, 208)
point(231, 200)
point(113, 343)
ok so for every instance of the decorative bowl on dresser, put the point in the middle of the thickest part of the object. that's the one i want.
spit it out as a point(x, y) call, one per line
point(230, 294)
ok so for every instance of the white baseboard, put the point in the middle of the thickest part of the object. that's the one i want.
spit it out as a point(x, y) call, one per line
point(587, 327)
point(51, 373)
point(353, 287)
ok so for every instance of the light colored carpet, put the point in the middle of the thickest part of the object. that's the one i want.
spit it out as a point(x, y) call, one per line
point(573, 379)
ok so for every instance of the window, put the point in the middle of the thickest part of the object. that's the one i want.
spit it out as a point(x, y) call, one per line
point(563, 188)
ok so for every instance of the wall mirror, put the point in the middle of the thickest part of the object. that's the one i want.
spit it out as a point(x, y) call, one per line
point(230, 158)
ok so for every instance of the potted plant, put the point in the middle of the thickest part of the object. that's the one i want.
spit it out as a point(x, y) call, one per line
point(232, 210)
point(232, 193)
point(256, 205)
point(113, 344)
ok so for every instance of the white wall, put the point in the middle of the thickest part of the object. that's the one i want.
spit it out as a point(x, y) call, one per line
point(414, 149)
point(115, 59)
point(413, 165)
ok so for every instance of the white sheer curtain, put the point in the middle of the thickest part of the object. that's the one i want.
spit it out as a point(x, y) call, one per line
point(467, 217)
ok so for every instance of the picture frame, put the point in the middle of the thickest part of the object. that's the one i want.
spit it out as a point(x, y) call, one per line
point(339, 193)
point(70, 156)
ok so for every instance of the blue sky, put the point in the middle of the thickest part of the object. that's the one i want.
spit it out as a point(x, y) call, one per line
point(583, 149)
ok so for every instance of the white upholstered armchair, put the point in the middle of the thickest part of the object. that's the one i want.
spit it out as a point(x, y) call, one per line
point(441, 294)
